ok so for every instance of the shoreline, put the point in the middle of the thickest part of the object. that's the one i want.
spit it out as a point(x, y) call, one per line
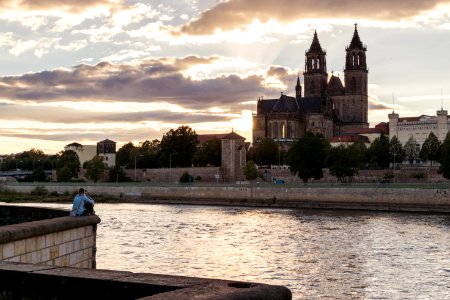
point(377, 198)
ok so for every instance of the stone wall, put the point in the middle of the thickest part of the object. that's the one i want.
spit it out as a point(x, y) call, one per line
point(64, 241)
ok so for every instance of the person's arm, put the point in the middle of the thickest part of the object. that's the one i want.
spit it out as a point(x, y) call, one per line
point(89, 199)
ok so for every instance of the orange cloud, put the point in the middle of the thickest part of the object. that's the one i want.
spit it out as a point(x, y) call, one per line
point(236, 13)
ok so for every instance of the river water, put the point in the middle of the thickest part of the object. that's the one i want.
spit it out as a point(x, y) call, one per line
point(317, 254)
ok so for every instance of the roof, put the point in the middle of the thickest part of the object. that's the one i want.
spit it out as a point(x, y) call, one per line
point(359, 130)
point(74, 144)
point(233, 136)
point(349, 139)
point(315, 45)
point(286, 104)
point(312, 104)
point(356, 41)
point(290, 104)
point(335, 86)
point(106, 142)
point(203, 138)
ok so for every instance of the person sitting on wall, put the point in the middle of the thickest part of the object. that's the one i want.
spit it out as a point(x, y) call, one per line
point(83, 205)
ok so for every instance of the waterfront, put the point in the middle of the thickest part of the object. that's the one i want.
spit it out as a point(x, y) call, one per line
point(317, 254)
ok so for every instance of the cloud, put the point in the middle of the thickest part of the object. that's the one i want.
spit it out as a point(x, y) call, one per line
point(70, 5)
point(235, 14)
point(146, 81)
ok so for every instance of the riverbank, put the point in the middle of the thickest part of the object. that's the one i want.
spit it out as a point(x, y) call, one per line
point(424, 198)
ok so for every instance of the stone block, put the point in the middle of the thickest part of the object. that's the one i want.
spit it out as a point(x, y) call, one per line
point(8, 250)
point(26, 258)
point(65, 261)
point(19, 247)
point(74, 234)
point(62, 249)
point(57, 262)
point(76, 245)
point(66, 236)
point(58, 238)
point(13, 259)
point(45, 254)
point(54, 252)
point(69, 247)
point(50, 240)
point(72, 259)
point(36, 257)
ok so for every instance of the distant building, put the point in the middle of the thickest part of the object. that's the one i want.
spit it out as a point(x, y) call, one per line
point(419, 128)
point(347, 140)
point(233, 157)
point(84, 152)
point(107, 150)
point(327, 106)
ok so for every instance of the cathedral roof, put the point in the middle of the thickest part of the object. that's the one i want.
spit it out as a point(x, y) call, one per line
point(315, 45)
point(356, 41)
point(335, 86)
point(233, 136)
point(286, 104)
point(312, 104)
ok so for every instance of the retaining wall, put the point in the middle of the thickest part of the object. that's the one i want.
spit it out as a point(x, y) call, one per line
point(59, 241)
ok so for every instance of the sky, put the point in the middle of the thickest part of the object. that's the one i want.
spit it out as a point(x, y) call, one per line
point(87, 70)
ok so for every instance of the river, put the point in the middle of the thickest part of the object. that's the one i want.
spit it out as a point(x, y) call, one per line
point(318, 254)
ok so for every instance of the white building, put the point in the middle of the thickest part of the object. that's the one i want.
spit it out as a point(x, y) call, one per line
point(105, 149)
point(419, 127)
point(84, 152)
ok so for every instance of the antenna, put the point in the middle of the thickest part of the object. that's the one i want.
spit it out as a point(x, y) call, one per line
point(393, 103)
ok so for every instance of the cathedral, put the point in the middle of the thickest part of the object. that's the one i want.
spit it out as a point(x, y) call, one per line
point(326, 106)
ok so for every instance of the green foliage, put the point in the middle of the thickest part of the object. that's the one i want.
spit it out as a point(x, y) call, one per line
point(209, 153)
point(178, 147)
point(124, 157)
point(198, 178)
point(95, 168)
point(267, 152)
point(116, 174)
point(39, 190)
point(67, 166)
point(410, 149)
point(430, 148)
point(307, 156)
point(396, 152)
point(444, 169)
point(419, 175)
point(378, 153)
point(344, 162)
point(186, 177)
point(38, 175)
point(250, 171)
point(148, 154)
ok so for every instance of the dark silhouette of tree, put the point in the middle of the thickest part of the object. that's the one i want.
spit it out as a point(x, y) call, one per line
point(430, 148)
point(67, 166)
point(209, 153)
point(250, 171)
point(38, 175)
point(344, 162)
point(396, 152)
point(124, 157)
point(308, 155)
point(178, 147)
point(95, 168)
point(116, 174)
point(148, 154)
point(266, 153)
point(378, 153)
point(444, 160)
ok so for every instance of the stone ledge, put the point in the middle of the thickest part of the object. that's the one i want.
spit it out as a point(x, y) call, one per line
point(44, 282)
point(25, 230)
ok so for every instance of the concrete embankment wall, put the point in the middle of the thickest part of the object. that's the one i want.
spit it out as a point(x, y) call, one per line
point(378, 197)
point(60, 241)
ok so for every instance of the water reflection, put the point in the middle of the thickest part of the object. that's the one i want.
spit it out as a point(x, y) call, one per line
point(317, 254)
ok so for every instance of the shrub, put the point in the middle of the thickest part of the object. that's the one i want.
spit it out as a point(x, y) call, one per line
point(186, 177)
point(419, 175)
point(198, 178)
point(39, 190)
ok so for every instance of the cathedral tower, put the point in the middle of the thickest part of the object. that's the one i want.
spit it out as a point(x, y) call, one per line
point(315, 74)
point(298, 89)
point(355, 75)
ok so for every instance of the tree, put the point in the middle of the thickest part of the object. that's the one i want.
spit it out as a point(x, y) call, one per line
point(38, 175)
point(95, 168)
point(307, 156)
point(68, 165)
point(267, 152)
point(209, 153)
point(178, 147)
point(410, 149)
point(444, 160)
point(344, 162)
point(430, 148)
point(186, 178)
point(250, 171)
point(123, 155)
point(378, 153)
point(116, 174)
point(396, 152)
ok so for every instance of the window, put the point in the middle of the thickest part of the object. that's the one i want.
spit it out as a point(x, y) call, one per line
point(283, 130)
point(275, 130)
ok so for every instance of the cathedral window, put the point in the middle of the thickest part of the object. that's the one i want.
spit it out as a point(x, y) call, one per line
point(275, 130)
point(283, 130)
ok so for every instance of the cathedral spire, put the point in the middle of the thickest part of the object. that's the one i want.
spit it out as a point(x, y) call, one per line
point(356, 41)
point(298, 88)
point(315, 45)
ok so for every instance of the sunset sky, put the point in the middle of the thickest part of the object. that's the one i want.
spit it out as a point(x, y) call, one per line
point(86, 70)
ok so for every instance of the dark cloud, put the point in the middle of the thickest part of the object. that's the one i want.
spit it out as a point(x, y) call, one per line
point(235, 13)
point(157, 80)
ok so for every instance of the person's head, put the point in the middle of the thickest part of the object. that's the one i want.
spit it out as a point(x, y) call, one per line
point(81, 191)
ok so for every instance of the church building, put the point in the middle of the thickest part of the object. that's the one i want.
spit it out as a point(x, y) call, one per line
point(326, 106)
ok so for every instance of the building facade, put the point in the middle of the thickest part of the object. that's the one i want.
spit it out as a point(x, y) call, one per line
point(326, 106)
point(233, 157)
point(419, 128)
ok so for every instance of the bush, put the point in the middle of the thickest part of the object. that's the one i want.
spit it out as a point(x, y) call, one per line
point(54, 194)
point(186, 177)
point(419, 175)
point(39, 190)
point(198, 178)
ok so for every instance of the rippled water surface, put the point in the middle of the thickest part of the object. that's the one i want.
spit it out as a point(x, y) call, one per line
point(317, 254)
